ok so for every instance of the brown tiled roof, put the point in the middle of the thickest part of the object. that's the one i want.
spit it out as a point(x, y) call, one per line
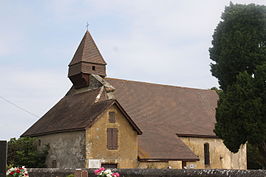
point(74, 112)
point(62, 116)
point(158, 144)
point(162, 111)
point(87, 52)
point(182, 110)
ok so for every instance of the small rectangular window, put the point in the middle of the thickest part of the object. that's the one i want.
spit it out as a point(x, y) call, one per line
point(93, 68)
point(184, 164)
point(109, 165)
point(54, 164)
point(206, 154)
point(112, 138)
point(112, 117)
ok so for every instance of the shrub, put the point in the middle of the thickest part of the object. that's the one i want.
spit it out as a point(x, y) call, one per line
point(24, 152)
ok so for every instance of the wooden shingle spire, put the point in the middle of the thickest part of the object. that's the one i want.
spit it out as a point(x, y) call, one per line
point(87, 60)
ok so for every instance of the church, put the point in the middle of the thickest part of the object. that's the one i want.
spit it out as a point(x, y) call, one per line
point(119, 123)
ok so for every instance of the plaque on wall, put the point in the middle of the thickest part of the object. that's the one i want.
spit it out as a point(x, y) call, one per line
point(94, 163)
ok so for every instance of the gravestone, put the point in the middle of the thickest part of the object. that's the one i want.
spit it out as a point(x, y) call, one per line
point(81, 173)
point(3, 158)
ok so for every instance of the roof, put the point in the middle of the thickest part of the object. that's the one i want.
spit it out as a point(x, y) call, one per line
point(87, 52)
point(163, 111)
point(182, 110)
point(62, 118)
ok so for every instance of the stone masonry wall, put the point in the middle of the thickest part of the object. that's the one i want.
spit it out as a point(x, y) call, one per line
point(67, 150)
point(55, 172)
point(220, 156)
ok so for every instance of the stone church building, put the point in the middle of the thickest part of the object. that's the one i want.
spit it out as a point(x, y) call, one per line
point(119, 123)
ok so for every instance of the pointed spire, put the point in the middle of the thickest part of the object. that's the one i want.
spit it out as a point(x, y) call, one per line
point(87, 52)
point(87, 60)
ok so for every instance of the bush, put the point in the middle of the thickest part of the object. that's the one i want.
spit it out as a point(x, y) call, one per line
point(24, 152)
point(71, 175)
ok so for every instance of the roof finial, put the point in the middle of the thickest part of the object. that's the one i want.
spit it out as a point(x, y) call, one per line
point(87, 25)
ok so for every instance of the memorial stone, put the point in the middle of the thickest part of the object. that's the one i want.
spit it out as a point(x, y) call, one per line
point(3, 158)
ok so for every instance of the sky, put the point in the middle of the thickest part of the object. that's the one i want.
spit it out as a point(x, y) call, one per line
point(158, 41)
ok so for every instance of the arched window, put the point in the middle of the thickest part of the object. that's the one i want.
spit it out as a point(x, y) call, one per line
point(206, 154)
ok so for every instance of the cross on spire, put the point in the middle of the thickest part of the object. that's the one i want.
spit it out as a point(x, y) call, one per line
point(87, 25)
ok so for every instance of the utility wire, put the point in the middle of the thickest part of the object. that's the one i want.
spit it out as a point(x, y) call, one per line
point(19, 107)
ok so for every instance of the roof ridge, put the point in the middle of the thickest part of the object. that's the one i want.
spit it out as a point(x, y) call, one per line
point(144, 82)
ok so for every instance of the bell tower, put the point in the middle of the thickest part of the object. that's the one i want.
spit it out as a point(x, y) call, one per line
point(87, 60)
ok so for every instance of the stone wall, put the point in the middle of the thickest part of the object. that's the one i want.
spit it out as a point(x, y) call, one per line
point(67, 150)
point(220, 156)
point(160, 165)
point(49, 172)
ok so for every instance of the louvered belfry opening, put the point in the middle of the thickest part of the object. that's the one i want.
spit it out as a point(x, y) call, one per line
point(86, 60)
point(112, 138)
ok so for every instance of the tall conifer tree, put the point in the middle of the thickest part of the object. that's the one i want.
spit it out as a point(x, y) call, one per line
point(239, 64)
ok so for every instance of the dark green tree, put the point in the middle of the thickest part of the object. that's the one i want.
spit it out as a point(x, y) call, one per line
point(24, 152)
point(239, 55)
point(241, 114)
point(239, 42)
point(254, 158)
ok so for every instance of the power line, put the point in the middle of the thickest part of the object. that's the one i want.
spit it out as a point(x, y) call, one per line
point(19, 107)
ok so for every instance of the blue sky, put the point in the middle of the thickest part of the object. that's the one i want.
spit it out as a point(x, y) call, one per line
point(159, 41)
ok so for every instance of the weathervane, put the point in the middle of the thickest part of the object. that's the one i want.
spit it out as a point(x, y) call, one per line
point(87, 25)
